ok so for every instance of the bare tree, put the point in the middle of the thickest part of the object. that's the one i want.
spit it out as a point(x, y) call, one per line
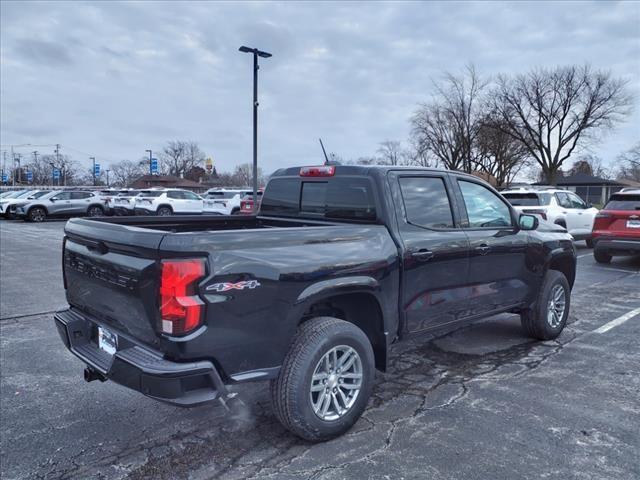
point(591, 165)
point(242, 176)
point(447, 125)
point(179, 157)
point(553, 112)
point(390, 152)
point(125, 172)
point(497, 153)
point(629, 164)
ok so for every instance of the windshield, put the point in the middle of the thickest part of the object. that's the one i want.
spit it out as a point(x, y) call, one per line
point(39, 194)
point(623, 202)
point(15, 194)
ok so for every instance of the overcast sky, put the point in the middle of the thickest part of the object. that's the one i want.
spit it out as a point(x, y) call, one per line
point(113, 79)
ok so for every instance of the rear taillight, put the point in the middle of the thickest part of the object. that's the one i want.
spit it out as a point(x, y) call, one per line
point(180, 307)
point(602, 221)
point(323, 171)
point(246, 205)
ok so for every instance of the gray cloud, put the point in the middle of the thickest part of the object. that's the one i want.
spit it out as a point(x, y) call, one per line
point(130, 76)
point(43, 52)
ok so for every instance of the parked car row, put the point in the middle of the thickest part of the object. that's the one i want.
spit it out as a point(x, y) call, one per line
point(38, 205)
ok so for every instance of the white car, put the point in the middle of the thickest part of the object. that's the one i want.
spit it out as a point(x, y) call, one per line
point(562, 207)
point(8, 203)
point(170, 201)
point(223, 201)
point(124, 203)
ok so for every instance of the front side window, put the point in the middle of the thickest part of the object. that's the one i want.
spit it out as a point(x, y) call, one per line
point(426, 202)
point(484, 208)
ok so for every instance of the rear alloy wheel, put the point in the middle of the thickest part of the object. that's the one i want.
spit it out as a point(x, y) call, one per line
point(601, 256)
point(37, 214)
point(95, 211)
point(325, 380)
point(164, 212)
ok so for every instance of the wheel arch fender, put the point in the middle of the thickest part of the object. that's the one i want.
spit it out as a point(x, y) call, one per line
point(164, 205)
point(38, 206)
point(564, 262)
point(356, 299)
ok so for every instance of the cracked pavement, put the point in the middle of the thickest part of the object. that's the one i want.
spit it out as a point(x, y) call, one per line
point(482, 401)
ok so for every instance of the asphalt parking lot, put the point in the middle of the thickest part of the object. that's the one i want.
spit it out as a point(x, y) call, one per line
point(481, 402)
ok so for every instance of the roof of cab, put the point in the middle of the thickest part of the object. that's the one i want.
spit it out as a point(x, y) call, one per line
point(358, 169)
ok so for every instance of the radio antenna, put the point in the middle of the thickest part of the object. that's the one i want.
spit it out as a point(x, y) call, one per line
point(326, 159)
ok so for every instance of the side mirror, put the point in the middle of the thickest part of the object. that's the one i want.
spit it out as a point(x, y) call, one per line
point(589, 205)
point(52, 200)
point(528, 222)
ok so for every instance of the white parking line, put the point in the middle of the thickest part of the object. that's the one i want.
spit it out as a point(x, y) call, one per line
point(584, 255)
point(618, 321)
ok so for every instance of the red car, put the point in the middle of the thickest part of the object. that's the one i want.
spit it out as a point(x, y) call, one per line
point(246, 203)
point(616, 230)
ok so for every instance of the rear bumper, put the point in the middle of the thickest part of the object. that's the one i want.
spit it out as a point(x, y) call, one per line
point(619, 246)
point(137, 367)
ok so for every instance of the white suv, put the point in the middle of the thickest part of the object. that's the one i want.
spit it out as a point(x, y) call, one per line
point(562, 207)
point(223, 201)
point(169, 201)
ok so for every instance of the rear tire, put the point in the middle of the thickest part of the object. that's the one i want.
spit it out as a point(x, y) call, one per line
point(549, 315)
point(164, 211)
point(601, 257)
point(319, 395)
point(37, 214)
point(95, 211)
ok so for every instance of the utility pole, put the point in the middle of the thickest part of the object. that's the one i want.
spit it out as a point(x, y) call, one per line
point(256, 53)
point(18, 161)
point(63, 171)
point(107, 170)
point(93, 159)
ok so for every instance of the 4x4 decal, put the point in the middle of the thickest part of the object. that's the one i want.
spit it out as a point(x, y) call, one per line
point(226, 286)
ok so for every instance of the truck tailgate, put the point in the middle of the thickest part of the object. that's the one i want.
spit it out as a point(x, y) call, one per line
point(111, 272)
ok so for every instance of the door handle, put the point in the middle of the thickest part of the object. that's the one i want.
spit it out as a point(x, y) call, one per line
point(423, 255)
point(483, 249)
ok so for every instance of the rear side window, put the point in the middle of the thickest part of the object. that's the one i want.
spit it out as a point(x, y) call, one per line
point(623, 202)
point(563, 200)
point(80, 195)
point(150, 194)
point(426, 202)
point(523, 199)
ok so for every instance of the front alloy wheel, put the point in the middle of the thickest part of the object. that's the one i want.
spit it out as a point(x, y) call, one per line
point(556, 306)
point(336, 382)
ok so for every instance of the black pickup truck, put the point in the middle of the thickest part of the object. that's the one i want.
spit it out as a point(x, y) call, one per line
point(339, 263)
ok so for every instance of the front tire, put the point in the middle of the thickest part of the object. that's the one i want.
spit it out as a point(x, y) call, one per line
point(601, 256)
point(548, 316)
point(37, 214)
point(325, 381)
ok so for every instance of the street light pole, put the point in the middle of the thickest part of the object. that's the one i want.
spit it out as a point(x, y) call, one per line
point(256, 53)
point(93, 159)
point(107, 170)
point(150, 161)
